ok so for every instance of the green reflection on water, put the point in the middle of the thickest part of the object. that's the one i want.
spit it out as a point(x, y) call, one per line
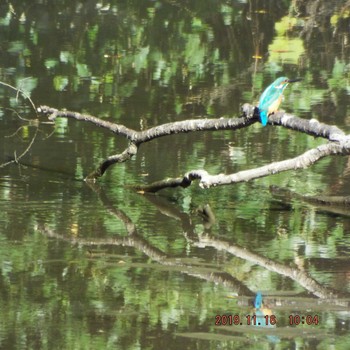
point(143, 64)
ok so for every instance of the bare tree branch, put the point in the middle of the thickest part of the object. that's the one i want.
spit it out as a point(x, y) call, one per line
point(115, 128)
point(250, 116)
point(34, 122)
point(312, 127)
point(24, 93)
point(206, 180)
point(138, 137)
point(166, 183)
point(17, 158)
point(129, 152)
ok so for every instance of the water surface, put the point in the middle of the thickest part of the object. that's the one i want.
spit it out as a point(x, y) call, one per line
point(103, 267)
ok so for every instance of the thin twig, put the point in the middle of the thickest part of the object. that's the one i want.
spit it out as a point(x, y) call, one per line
point(16, 159)
point(34, 122)
point(22, 92)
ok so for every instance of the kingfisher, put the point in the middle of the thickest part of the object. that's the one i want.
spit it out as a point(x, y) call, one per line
point(271, 98)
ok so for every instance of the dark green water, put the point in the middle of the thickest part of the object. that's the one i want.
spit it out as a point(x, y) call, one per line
point(103, 267)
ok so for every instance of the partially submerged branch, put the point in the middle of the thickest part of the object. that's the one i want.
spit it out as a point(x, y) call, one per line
point(206, 180)
point(166, 183)
point(130, 151)
point(338, 205)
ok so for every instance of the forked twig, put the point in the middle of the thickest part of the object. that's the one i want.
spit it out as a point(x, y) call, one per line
point(18, 90)
point(35, 123)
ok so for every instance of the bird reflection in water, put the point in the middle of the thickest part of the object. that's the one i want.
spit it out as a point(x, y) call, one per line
point(262, 312)
point(264, 316)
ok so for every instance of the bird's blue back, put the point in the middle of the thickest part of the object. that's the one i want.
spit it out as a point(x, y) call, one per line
point(270, 95)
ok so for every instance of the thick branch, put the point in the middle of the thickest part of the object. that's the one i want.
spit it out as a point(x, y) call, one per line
point(194, 125)
point(115, 128)
point(206, 180)
point(139, 137)
point(311, 127)
point(159, 185)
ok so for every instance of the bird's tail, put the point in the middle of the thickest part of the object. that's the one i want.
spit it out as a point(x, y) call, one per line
point(263, 117)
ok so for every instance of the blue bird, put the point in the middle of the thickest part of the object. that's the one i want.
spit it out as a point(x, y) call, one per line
point(271, 98)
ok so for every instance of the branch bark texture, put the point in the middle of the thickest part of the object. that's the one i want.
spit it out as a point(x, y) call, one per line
point(339, 143)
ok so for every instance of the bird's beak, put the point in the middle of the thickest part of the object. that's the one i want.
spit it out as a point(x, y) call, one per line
point(294, 80)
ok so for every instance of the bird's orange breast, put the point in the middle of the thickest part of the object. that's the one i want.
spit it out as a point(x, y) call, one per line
point(274, 105)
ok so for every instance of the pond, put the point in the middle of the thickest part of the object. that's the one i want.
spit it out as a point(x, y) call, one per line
point(102, 266)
